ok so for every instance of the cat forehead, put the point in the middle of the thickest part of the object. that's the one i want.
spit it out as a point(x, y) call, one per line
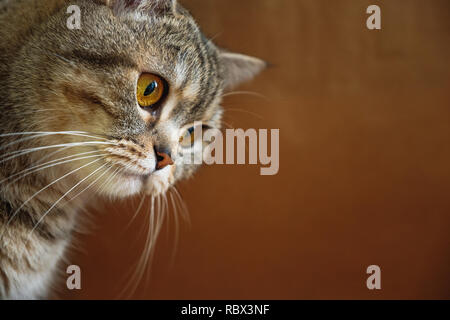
point(173, 47)
point(121, 48)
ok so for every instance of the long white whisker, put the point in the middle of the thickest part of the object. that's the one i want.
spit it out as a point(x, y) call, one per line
point(108, 180)
point(22, 140)
point(98, 188)
point(43, 134)
point(54, 165)
point(19, 153)
point(48, 165)
point(90, 185)
point(53, 153)
point(118, 171)
point(61, 198)
point(229, 126)
point(177, 229)
point(73, 133)
point(141, 203)
point(131, 285)
point(156, 220)
point(184, 209)
point(250, 93)
point(245, 111)
point(156, 228)
point(41, 190)
point(68, 144)
point(145, 256)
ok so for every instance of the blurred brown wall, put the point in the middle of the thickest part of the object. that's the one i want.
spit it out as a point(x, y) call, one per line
point(364, 118)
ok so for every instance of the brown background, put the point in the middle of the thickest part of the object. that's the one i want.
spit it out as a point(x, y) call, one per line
point(365, 164)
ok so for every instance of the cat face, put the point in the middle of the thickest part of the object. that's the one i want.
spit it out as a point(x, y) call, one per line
point(135, 78)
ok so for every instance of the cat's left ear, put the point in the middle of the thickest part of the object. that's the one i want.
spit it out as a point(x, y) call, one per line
point(239, 68)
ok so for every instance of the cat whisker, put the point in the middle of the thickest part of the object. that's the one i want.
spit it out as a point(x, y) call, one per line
point(227, 125)
point(69, 144)
point(141, 203)
point(184, 209)
point(74, 133)
point(246, 111)
point(111, 177)
point(210, 41)
point(177, 230)
point(55, 152)
point(22, 140)
point(90, 185)
point(102, 185)
point(15, 154)
point(159, 221)
point(25, 133)
point(43, 189)
point(50, 164)
point(155, 222)
point(61, 198)
point(38, 134)
point(250, 93)
point(166, 212)
point(73, 64)
point(40, 110)
point(131, 285)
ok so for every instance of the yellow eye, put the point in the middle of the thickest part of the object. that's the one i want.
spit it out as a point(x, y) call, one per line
point(188, 139)
point(150, 89)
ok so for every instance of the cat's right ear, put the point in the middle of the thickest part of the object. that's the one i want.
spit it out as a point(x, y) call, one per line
point(239, 68)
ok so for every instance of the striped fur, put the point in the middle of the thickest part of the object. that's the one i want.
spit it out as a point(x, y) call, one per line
point(70, 121)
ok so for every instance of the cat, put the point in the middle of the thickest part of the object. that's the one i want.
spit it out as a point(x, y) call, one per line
point(105, 109)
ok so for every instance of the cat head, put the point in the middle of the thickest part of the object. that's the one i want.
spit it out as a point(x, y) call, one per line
point(132, 81)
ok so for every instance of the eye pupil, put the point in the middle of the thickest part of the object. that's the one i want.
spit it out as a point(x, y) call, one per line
point(150, 88)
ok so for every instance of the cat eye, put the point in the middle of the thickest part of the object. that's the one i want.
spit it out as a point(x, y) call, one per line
point(150, 90)
point(188, 139)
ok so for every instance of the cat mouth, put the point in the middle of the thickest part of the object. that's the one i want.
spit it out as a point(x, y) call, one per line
point(141, 172)
point(152, 183)
point(138, 174)
point(135, 175)
point(132, 167)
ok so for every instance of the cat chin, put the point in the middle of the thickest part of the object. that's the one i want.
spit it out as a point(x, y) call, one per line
point(159, 182)
point(123, 187)
point(129, 185)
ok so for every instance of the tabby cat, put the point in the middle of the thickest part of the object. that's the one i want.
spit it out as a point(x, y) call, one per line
point(107, 109)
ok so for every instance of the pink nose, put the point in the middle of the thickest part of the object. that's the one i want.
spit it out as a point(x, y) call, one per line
point(164, 160)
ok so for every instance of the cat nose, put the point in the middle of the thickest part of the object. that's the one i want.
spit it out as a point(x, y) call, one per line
point(163, 158)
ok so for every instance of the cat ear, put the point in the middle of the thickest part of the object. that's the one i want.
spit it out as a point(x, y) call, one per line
point(239, 68)
point(147, 6)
